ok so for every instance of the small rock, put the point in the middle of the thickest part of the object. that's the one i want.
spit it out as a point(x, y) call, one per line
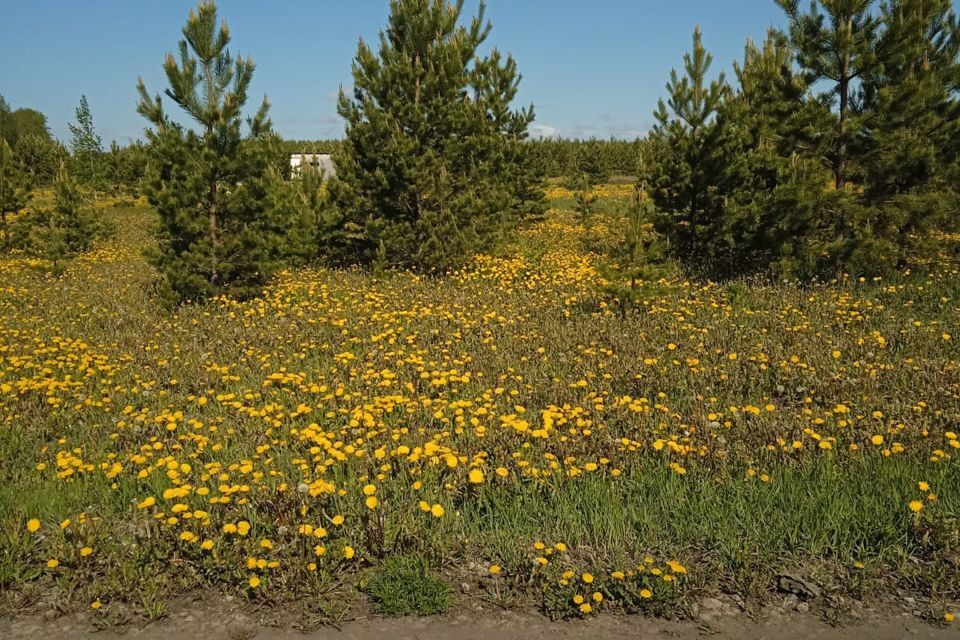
point(798, 586)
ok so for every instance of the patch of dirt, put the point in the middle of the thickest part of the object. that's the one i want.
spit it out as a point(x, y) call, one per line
point(228, 621)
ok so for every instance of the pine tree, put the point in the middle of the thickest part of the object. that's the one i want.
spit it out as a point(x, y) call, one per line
point(836, 43)
point(776, 207)
point(912, 133)
point(87, 146)
point(211, 186)
point(308, 218)
point(687, 157)
point(434, 165)
point(639, 260)
point(67, 229)
point(14, 189)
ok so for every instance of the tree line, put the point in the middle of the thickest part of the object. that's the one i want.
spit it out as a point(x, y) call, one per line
point(834, 149)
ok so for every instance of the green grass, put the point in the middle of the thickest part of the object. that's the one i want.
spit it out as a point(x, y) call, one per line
point(94, 371)
point(404, 585)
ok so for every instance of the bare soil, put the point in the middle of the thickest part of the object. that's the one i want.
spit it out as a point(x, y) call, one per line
point(228, 621)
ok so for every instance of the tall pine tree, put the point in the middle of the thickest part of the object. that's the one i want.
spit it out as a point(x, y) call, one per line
point(835, 42)
point(211, 185)
point(689, 151)
point(434, 165)
point(912, 135)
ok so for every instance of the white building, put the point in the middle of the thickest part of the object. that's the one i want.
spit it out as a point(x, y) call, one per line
point(319, 162)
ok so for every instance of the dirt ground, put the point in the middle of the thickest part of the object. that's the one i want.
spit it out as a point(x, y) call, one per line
point(238, 624)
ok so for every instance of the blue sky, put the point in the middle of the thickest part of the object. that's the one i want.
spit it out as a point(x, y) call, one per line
point(590, 68)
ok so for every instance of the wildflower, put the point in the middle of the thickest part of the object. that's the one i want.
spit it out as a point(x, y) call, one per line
point(33, 525)
point(53, 563)
point(254, 582)
point(495, 569)
point(476, 476)
point(369, 490)
point(371, 502)
point(146, 503)
point(96, 604)
point(437, 511)
point(348, 552)
point(336, 520)
point(916, 506)
point(243, 527)
point(646, 594)
point(587, 578)
point(85, 551)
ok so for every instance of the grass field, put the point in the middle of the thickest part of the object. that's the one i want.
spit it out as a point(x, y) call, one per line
point(344, 440)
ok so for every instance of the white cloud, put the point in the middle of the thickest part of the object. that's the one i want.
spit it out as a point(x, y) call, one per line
point(543, 131)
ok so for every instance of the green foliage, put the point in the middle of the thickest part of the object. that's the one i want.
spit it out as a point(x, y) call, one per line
point(404, 585)
point(19, 123)
point(639, 260)
point(590, 162)
point(126, 167)
point(308, 219)
point(563, 158)
point(776, 216)
point(41, 157)
point(68, 228)
point(741, 178)
point(434, 166)
point(912, 139)
point(211, 187)
point(584, 200)
point(87, 147)
point(835, 42)
point(14, 189)
point(685, 169)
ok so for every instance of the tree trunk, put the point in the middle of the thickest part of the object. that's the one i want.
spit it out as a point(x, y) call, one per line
point(212, 214)
point(840, 164)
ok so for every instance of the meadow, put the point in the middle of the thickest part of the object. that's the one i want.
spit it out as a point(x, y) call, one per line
point(345, 440)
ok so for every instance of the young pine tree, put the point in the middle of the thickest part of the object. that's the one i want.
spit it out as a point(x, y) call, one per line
point(66, 229)
point(210, 185)
point(835, 42)
point(639, 259)
point(14, 190)
point(687, 158)
point(87, 147)
point(434, 165)
point(309, 221)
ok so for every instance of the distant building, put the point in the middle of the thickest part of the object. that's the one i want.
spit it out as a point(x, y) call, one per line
point(319, 162)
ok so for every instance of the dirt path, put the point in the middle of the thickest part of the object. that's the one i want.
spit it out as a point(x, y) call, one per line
point(236, 625)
